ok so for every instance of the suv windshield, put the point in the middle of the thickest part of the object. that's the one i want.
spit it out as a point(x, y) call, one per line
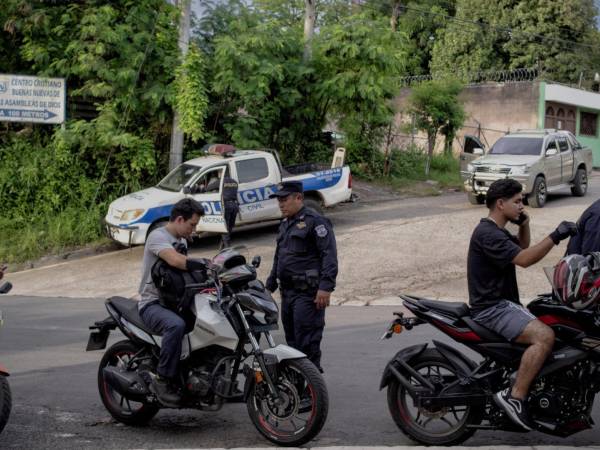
point(518, 146)
point(178, 177)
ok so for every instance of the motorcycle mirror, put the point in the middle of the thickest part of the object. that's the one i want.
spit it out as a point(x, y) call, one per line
point(256, 261)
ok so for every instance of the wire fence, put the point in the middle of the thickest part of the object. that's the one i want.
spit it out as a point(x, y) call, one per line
point(490, 76)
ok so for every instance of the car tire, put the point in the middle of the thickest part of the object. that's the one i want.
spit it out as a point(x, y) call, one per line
point(580, 183)
point(475, 199)
point(539, 194)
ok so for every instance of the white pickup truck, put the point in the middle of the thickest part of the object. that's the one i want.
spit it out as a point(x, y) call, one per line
point(132, 217)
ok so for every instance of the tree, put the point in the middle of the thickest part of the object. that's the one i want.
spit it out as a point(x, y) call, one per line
point(509, 34)
point(360, 62)
point(437, 109)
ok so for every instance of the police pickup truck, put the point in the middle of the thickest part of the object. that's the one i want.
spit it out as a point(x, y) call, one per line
point(131, 218)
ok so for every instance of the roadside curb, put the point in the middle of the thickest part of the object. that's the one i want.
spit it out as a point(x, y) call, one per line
point(406, 447)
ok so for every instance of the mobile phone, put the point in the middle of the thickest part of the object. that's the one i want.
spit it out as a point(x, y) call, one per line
point(522, 218)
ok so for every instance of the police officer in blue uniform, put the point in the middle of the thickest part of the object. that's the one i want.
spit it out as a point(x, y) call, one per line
point(588, 238)
point(305, 268)
point(231, 207)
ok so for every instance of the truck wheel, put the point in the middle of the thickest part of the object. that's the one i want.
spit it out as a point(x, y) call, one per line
point(475, 199)
point(580, 183)
point(314, 205)
point(537, 198)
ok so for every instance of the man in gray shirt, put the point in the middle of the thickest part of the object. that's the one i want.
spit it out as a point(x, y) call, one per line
point(164, 243)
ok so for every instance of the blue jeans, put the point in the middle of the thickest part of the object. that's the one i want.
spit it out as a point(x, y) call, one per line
point(172, 329)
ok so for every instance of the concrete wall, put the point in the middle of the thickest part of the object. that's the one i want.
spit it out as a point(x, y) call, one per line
point(492, 110)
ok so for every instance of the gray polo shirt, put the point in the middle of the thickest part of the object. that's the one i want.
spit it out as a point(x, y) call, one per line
point(160, 239)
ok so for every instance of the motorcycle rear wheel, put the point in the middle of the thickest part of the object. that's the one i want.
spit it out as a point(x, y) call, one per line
point(435, 426)
point(5, 402)
point(290, 423)
point(122, 409)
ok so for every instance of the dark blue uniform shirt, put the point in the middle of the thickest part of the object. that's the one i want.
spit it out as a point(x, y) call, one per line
point(305, 242)
point(588, 238)
point(230, 189)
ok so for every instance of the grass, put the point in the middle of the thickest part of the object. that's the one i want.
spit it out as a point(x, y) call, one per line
point(407, 173)
point(29, 239)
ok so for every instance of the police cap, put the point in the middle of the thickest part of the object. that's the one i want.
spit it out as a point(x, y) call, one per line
point(286, 188)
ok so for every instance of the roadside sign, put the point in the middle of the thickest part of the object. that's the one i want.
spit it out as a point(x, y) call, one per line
point(32, 99)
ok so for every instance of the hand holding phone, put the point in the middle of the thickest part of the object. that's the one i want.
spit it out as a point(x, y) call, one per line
point(521, 219)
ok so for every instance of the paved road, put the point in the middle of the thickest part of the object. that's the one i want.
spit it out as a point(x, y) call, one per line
point(56, 404)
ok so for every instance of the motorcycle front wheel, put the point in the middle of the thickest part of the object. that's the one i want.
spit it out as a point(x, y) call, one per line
point(436, 425)
point(299, 414)
point(121, 408)
point(5, 402)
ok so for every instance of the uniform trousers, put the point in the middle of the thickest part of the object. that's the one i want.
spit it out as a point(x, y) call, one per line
point(303, 323)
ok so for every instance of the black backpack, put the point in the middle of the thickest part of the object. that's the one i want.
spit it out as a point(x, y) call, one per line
point(171, 283)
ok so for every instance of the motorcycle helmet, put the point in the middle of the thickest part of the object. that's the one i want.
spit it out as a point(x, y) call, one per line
point(576, 280)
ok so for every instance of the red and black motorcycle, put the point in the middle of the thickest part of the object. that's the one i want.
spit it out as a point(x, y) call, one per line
point(439, 396)
point(5, 397)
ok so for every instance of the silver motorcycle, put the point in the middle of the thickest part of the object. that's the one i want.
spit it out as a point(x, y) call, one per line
point(285, 394)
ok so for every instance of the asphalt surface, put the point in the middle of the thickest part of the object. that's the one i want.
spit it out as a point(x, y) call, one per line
point(56, 402)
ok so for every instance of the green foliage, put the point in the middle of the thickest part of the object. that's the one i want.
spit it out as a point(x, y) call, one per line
point(437, 109)
point(408, 165)
point(55, 183)
point(360, 62)
point(191, 99)
point(545, 34)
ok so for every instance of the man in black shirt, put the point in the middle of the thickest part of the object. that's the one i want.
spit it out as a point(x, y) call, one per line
point(493, 290)
point(231, 207)
point(588, 238)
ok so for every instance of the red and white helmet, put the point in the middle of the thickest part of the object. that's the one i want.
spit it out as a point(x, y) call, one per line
point(576, 280)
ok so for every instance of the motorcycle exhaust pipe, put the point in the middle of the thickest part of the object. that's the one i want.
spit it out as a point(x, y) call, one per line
point(128, 384)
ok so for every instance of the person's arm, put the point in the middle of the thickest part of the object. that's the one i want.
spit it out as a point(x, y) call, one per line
point(529, 256)
point(524, 234)
point(326, 245)
point(532, 255)
point(173, 258)
point(271, 283)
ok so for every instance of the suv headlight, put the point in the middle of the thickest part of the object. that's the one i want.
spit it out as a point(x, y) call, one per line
point(131, 214)
point(520, 170)
point(470, 167)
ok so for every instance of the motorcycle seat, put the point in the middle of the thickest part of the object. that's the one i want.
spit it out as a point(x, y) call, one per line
point(128, 308)
point(457, 309)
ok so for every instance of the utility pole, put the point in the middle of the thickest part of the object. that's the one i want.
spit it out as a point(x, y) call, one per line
point(310, 14)
point(176, 152)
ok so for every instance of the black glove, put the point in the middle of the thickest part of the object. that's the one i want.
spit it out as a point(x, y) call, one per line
point(563, 231)
point(271, 284)
point(192, 264)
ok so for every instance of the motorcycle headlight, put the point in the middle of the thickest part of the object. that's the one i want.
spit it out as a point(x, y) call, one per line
point(470, 167)
point(131, 214)
point(519, 170)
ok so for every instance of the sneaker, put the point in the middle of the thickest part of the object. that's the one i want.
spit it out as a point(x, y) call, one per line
point(166, 393)
point(513, 407)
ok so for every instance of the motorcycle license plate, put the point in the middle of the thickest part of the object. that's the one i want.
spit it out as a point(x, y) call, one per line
point(97, 340)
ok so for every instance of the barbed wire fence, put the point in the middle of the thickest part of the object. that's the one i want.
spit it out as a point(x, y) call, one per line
point(479, 77)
